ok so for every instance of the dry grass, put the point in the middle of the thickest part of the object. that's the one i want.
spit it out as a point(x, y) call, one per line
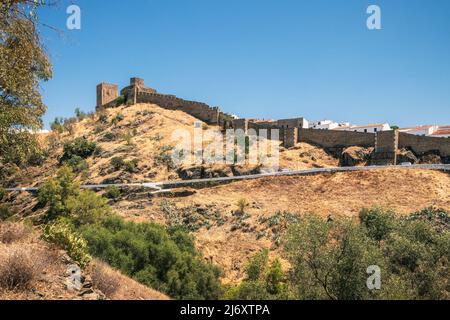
point(104, 280)
point(11, 232)
point(116, 286)
point(20, 266)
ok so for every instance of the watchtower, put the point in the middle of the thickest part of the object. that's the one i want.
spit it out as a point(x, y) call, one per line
point(106, 92)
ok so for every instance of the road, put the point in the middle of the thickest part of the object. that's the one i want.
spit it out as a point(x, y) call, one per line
point(162, 186)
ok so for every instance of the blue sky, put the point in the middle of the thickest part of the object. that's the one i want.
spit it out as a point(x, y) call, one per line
point(260, 58)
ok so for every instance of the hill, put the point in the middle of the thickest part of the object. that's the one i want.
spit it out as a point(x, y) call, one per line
point(140, 136)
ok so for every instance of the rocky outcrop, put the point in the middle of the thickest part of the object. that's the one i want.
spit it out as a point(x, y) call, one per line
point(355, 156)
point(204, 172)
point(405, 155)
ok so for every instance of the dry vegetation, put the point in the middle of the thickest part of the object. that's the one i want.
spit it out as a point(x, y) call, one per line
point(225, 235)
point(31, 269)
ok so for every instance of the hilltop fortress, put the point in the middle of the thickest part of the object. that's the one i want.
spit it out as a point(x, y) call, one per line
point(386, 144)
point(137, 92)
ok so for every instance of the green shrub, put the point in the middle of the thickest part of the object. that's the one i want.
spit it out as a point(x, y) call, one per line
point(5, 212)
point(56, 191)
point(131, 166)
point(113, 193)
point(87, 208)
point(165, 158)
point(117, 163)
point(165, 260)
point(264, 281)
point(2, 193)
point(80, 147)
point(379, 223)
point(77, 164)
point(61, 233)
point(119, 117)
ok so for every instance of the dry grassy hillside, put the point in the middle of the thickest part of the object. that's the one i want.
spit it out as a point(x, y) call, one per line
point(226, 235)
point(31, 269)
point(229, 237)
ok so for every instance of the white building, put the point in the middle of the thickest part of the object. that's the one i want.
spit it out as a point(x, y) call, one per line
point(429, 131)
point(368, 128)
point(423, 130)
point(324, 125)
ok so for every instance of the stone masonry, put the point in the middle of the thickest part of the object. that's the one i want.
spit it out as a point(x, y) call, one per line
point(290, 131)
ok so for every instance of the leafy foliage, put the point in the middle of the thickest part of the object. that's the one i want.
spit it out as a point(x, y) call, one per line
point(62, 234)
point(329, 259)
point(265, 281)
point(56, 192)
point(162, 259)
point(79, 147)
point(23, 65)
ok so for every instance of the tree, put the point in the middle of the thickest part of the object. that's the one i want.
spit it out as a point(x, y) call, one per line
point(57, 191)
point(23, 65)
point(329, 260)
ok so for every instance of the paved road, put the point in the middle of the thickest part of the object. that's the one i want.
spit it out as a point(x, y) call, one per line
point(164, 185)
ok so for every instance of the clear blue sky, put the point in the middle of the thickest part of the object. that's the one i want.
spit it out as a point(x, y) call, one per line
point(259, 58)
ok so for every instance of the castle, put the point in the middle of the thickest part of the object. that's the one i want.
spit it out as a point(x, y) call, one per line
point(290, 131)
point(137, 92)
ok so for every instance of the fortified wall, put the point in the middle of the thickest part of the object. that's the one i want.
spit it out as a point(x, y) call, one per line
point(290, 131)
point(336, 139)
point(137, 92)
point(422, 145)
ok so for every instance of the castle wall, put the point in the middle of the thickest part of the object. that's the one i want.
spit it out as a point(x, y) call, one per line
point(291, 123)
point(197, 109)
point(386, 147)
point(423, 144)
point(334, 138)
point(106, 93)
point(290, 137)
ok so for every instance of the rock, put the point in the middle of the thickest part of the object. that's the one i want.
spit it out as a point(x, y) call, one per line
point(354, 156)
point(245, 170)
point(190, 173)
point(204, 172)
point(405, 155)
point(431, 158)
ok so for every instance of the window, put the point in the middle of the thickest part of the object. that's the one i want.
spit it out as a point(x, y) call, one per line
point(375, 130)
point(365, 130)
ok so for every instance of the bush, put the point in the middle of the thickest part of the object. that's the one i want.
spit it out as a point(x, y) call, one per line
point(87, 208)
point(117, 163)
point(5, 212)
point(165, 260)
point(131, 166)
point(2, 193)
point(242, 204)
point(379, 223)
point(20, 266)
point(264, 281)
point(80, 147)
point(119, 117)
point(113, 193)
point(56, 191)
point(78, 164)
point(61, 233)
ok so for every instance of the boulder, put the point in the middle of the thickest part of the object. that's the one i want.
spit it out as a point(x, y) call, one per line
point(355, 156)
point(431, 158)
point(405, 155)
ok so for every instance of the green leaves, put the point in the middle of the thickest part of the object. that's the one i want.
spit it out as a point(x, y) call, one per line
point(164, 260)
point(23, 65)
